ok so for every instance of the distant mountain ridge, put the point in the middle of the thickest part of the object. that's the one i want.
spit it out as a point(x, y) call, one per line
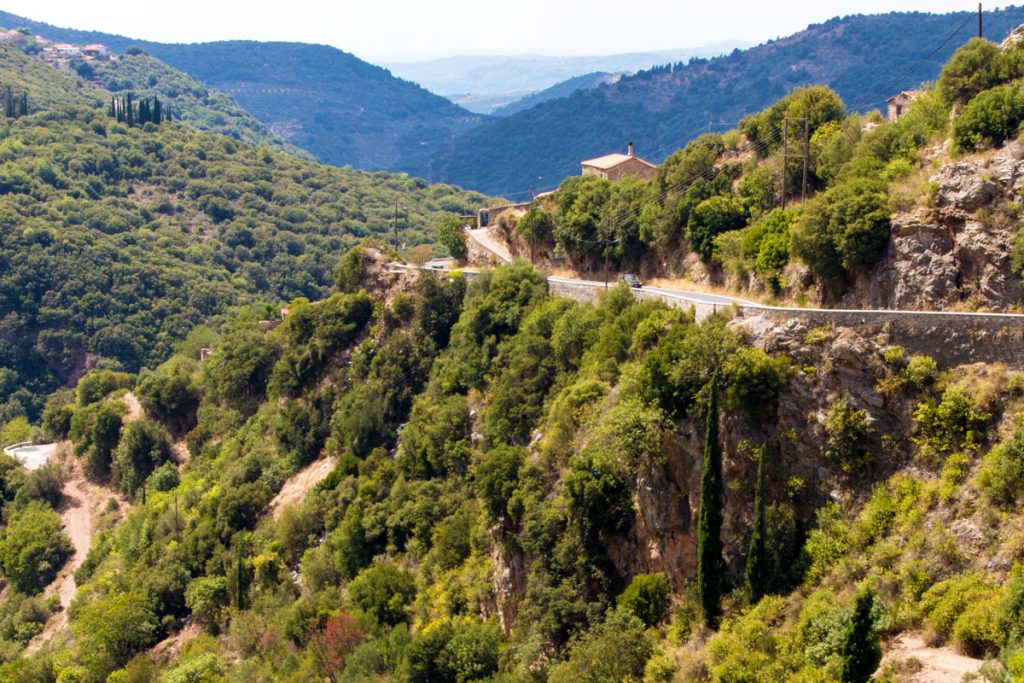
point(499, 74)
point(864, 58)
point(557, 91)
point(341, 109)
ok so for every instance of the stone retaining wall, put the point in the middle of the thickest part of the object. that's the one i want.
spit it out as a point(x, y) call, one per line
point(950, 338)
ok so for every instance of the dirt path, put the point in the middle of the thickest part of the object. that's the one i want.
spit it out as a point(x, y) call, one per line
point(82, 501)
point(134, 413)
point(294, 490)
point(938, 664)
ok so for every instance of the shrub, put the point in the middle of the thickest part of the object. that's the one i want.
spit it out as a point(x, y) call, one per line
point(144, 446)
point(383, 591)
point(990, 118)
point(435, 441)
point(452, 235)
point(350, 271)
point(110, 629)
point(617, 649)
point(646, 597)
point(843, 229)
point(97, 384)
point(1001, 476)
point(951, 424)
point(848, 435)
point(497, 477)
point(970, 70)
point(34, 548)
point(205, 597)
point(965, 608)
point(164, 478)
point(860, 651)
point(710, 218)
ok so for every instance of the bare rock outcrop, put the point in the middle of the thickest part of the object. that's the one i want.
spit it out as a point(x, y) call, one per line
point(957, 253)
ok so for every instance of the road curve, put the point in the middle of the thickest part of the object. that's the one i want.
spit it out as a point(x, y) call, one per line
point(703, 298)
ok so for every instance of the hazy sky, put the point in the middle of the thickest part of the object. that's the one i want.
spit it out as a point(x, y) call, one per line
point(389, 29)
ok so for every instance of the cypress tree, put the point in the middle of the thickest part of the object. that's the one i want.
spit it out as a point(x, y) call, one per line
point(157, 115)
point(129, 114)
point(756, 573)
point(23, 109)
point(8, 102)
point(709, 517)
point(860, 651)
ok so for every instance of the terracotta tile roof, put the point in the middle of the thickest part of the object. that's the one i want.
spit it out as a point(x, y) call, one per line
point(609, 161)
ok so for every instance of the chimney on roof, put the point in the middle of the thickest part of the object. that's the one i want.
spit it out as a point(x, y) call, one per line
point(629, 149)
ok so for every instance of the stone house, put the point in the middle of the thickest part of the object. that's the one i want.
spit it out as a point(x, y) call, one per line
point(95, 51)
point(900, 103)
point(616, 166)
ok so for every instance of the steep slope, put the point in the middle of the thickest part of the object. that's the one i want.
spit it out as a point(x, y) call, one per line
point(116, 241)
point(186, 99)
point(46, 87)
point(864, 58)
point(341, 109)
point(558, 90)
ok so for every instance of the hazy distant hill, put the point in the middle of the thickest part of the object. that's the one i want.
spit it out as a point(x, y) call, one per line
point(188, 99)
point(340, 108)
point(500, 74)
point(563, 89)
point(862, 57)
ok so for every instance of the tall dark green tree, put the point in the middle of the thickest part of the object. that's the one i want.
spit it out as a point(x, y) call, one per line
point(860, 652)
point(757, 557)
point(709, 518)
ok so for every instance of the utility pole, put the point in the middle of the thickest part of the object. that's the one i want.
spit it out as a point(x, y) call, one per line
point(807, 157)
point(396, 223)
point(785, 157)
point(607, 243)
point(532, 238)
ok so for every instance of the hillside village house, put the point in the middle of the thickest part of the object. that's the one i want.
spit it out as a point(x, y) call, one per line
point(900, 103)
point(95, 51)
point(616, 166)
point(64, 51)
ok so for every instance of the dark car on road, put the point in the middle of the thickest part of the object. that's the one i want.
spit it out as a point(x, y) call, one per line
point(632, 280)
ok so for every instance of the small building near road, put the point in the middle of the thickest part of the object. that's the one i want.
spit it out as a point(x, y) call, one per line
point(899, 104)
point(95, 51)
point(616, 166)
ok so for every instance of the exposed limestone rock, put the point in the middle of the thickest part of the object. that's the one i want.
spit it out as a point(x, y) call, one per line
point(961, 186)
point(958, 252)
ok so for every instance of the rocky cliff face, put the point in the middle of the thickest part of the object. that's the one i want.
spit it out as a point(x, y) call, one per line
point(833, 363)
point(956, 253)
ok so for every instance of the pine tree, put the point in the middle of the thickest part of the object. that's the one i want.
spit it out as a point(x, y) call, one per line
point(757, 557)
point(860, 651)
point(709, 517)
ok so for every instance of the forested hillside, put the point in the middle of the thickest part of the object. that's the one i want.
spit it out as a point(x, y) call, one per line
point(341, 109)
point(116, 240)
point(863, 58)
point(559, 90)
point(186, 99)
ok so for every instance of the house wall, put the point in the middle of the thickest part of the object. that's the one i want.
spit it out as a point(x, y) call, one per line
point(631, 168)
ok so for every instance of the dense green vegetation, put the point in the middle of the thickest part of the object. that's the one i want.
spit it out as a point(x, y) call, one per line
point(116, 241)
point(362, 117)
point(860, 57)
point(518, 487)
point(188, 99)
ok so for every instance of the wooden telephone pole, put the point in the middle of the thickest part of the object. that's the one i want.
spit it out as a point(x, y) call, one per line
point(396, 223)
point(805, 154)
